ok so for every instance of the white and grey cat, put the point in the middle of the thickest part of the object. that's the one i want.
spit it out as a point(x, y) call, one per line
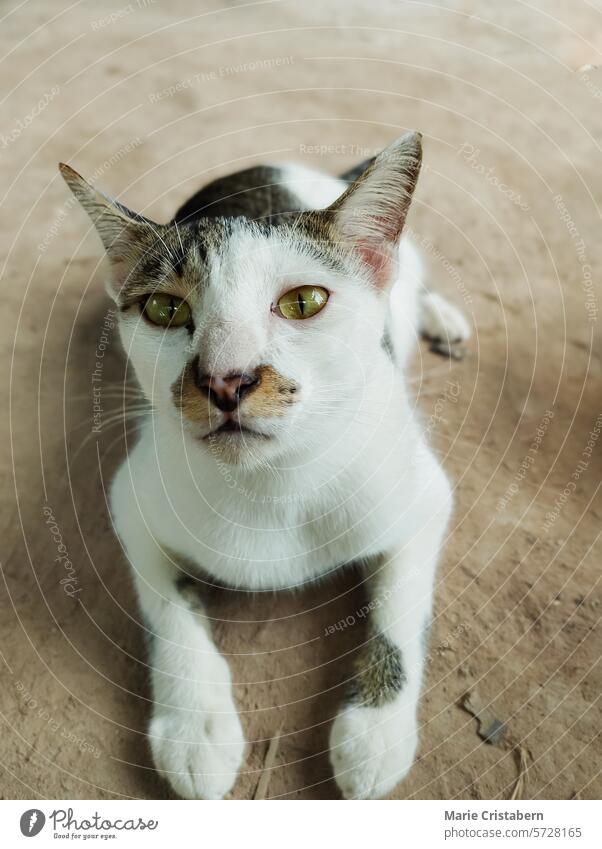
point(268, 324)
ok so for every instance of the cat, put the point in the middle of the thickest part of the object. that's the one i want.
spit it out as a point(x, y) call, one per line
point(268, 325)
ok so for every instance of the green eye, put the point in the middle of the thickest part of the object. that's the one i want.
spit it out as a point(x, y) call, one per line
point(167, 311)
point(302, 302)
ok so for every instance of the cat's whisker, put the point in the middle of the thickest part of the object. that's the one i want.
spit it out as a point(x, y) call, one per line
point(179, 236)
point(110, 414)
point(123, 415)
point(122, 436)
point(112, 420)
point(104, 393)
point(106, 424)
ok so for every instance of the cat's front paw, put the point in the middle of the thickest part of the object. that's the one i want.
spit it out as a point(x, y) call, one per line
point(199, 753)
point(372, 749)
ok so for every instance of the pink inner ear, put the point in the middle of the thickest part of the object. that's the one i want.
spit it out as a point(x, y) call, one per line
point(378, 256)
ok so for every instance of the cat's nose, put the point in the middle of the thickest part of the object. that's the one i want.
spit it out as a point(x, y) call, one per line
point(227, 391)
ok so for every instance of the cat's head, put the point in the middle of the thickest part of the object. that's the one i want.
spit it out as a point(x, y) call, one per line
point(257, 337)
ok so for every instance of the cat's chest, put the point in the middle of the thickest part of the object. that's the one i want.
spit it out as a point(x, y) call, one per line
point(263, 541)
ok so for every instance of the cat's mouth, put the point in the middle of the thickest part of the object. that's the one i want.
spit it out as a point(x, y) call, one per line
point(233, 428)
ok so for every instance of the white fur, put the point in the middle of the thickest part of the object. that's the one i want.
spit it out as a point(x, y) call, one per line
point(347, 476)
point(315, 189)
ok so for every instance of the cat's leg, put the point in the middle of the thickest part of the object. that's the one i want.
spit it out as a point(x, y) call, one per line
point(195, 732)
point(439, 320)
point(374, 737)
point(415, 311)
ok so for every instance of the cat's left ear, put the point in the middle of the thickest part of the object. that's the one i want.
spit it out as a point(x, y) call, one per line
point(113, 220)
point(369, 217)
point(124, 233)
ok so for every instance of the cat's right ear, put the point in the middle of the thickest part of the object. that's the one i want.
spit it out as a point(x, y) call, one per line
point(115, 223)
point(369, 217)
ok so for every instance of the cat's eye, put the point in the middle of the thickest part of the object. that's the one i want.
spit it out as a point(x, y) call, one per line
point(167, 310)
point(302, 302)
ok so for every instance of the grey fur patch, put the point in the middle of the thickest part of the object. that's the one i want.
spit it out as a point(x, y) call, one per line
point(387, 346)
point(379, 674)
point(258, 193)
point(261, 196)
point(452, 350)
point(190, 591)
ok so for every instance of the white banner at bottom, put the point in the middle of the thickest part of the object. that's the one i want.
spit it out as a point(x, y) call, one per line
point(299, 825)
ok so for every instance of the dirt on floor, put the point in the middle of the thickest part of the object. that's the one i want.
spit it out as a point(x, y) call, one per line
point(149, 100)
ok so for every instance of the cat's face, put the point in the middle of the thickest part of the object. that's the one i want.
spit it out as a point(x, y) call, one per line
point(255, 339)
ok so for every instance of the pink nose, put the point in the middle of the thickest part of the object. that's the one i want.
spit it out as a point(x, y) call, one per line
point(227, 392)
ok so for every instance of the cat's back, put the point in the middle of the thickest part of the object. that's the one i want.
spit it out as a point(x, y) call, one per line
point(263, 192)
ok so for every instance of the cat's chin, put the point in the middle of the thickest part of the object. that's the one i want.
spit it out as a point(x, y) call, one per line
point(237, 431)
point(236, 445)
